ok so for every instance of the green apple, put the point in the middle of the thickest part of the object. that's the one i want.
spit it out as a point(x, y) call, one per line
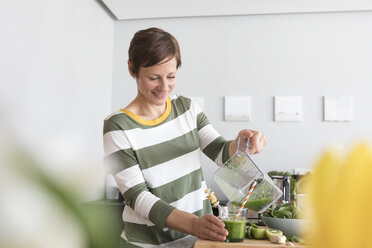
point(272, 232)
point(259, 232)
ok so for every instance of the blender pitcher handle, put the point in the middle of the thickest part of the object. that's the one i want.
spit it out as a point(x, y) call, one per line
point(246, 147)
point(246, 150)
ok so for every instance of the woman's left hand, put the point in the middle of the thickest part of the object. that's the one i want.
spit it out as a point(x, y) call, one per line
point(257, 141)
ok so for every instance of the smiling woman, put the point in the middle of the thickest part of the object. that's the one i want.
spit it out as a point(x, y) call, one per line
point(155, 70)
point(153, 147)
point(154, 85)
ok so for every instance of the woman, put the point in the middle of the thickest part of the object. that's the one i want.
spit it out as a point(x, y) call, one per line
point(153, 148)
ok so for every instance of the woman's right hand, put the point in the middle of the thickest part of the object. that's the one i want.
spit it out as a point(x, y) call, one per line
point(209, 227)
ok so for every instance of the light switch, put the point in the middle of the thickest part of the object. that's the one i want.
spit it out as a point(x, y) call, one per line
point(237, 108)
point(199, 101)
point(338, 108)
point(288, 108)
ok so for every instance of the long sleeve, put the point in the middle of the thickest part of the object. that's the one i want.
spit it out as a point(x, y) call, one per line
point(122, 163)
point(212, 143)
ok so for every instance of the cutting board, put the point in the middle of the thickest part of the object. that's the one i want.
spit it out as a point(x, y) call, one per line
point(247, 243)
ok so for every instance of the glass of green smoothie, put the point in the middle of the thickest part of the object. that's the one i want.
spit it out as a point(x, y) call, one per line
point(236, 228)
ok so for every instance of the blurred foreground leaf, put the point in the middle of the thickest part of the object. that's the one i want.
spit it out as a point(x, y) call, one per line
point(96, 236)
point(341, 200)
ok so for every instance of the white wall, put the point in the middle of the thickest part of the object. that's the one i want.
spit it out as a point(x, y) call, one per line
point(309, 55)
point(56, 76)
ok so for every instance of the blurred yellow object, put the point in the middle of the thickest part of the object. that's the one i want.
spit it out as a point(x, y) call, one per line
point(340, 194)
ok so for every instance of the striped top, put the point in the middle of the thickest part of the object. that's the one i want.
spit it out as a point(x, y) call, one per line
point(156, 165)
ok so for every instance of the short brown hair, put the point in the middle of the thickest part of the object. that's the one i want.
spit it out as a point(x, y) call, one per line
point(150, 46)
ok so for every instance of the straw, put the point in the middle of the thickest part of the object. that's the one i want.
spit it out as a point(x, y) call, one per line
point(245, 200)
point(234, 210)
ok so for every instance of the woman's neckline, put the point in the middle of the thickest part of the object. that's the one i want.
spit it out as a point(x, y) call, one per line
point(154, 122)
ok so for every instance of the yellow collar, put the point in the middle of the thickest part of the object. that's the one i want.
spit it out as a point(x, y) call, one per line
point(138, 119)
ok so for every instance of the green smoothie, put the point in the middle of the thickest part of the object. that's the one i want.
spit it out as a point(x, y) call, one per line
point(256, 205)
point(236, 229)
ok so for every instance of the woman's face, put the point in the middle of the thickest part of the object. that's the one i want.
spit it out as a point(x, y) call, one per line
point(156, 82)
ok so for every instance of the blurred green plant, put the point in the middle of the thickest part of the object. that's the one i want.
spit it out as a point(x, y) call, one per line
point(97, 229)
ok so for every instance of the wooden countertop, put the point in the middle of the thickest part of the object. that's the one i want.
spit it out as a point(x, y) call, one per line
point(247, 243)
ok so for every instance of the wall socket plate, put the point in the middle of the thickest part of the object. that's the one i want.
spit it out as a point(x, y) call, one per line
point(237, 108)
point(338, 108)
point(288, 108)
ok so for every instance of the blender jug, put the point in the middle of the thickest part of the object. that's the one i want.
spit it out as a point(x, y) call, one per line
point(237, 175)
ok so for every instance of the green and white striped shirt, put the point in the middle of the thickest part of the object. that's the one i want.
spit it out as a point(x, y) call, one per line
point(156, 165)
